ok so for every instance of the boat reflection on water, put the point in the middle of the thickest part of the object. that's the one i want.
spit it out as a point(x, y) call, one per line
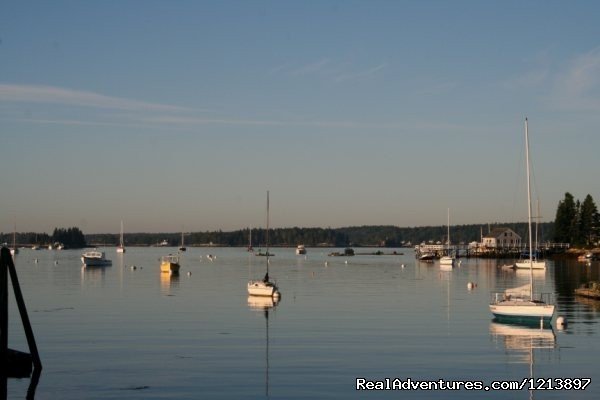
point(92, 275)
point(265, 304)
point(520, 341)
point(538, 274)
point(168, 282)
point(522, 338)
point(262, 303)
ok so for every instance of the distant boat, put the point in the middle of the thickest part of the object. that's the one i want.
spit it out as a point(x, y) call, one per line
point(536, 264)
point(427, 257)
point(95, 258)
point(250, 248)
point(169, 264)
point(14, 249)
point(300, 250)
point(264, 287)
point(182, 247)
point(532, 264)
point(164, 243)
point(447, 261)
point(121, 246)
point(520, 304)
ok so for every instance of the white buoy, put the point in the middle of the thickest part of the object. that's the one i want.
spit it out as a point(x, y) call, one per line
point(133, 267)
point(470, 285)
point(402, 265)
point(189, 273)
point(326, 263)
point(55, 262)
point(346, 262)
point(561, 323)
point(35, 261)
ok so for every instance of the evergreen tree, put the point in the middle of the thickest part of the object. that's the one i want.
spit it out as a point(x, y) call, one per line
point(565, 221)
point(588, 221)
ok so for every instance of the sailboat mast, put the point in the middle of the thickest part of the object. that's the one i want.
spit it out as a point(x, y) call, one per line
point(529, 211)
point(267, 232)
point(448, 237)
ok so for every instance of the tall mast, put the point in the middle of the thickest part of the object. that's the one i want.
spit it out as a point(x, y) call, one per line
point(529, 211)
point(267, 232)
point(448, 231)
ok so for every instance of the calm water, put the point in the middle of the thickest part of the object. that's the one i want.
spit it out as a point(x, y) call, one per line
point(121, 333)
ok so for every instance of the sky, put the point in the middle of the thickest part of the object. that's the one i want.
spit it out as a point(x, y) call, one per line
point(180, 115)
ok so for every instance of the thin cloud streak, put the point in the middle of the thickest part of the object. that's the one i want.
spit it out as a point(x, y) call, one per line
point(578, 87)
point(312, 68)
point(362, 74)
point(56, 95)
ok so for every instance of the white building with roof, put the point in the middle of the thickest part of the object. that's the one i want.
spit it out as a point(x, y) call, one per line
point(501, 238)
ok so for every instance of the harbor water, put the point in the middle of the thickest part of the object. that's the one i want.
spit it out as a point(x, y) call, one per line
point(129, 332)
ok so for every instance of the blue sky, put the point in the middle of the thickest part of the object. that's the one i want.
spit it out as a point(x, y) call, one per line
point(178, 115)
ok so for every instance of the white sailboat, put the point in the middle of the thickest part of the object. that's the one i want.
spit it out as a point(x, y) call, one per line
point(447, 261)
point(250, 248)
point(537, 264)
point(520, 304)
point(264, 287)
point(14, 250)
point(121, 246)
point(182, 247)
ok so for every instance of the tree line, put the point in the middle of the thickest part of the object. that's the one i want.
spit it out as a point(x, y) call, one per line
point(384, 236)
point(69, 237)
point(577, 222)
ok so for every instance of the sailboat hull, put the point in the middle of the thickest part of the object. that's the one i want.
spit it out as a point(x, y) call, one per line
point(534, 265)
point(447, 261)
point(522, 311)
point(262, 288)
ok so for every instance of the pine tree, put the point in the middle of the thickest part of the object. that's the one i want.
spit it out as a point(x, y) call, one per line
point(565, 221)
point(588, 221)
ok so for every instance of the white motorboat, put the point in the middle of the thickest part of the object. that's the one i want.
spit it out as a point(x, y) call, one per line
point(95, 258)
point(300, 250)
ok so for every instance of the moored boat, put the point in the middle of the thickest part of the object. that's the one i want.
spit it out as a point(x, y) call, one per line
point(170, 264)
point(300, 249)
point(121, 246)
point(519, 304)
point(264, 287)
point(95, 258)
